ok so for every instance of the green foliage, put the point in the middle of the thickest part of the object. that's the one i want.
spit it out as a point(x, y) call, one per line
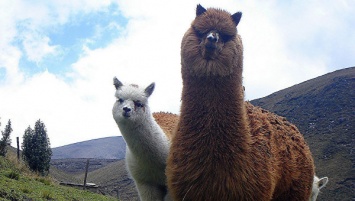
point(44, 181)
point(26, 190)
point(36, 149)
point(34, 187)
point(13, 175)
point(5, 140)
point(47, 195)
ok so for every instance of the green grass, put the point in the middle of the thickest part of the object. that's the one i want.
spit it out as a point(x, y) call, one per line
point(17, 183)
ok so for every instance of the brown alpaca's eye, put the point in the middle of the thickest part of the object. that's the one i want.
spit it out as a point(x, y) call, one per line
point(225, 37)
point(198, 33)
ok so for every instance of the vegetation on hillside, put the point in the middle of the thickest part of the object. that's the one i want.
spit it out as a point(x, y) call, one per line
point(19, 183)
point(110, 176)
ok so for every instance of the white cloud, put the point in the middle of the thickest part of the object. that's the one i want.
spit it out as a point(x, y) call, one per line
point(287, 43)
point(70, 115)
point(37, 47)
point(9, 60)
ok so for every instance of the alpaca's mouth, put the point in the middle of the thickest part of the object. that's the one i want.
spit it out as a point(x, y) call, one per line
point(210, 47)
point(210, 51)
point(126, 114)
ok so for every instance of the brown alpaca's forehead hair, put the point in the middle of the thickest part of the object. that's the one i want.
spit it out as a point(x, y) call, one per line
point(215, 19)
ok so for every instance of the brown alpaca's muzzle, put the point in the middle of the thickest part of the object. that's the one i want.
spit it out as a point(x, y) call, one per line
point(210, 46)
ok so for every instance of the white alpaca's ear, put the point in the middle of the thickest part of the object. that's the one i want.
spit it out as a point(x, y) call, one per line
point(117, 83)
point(149, 90)
point(322, 182)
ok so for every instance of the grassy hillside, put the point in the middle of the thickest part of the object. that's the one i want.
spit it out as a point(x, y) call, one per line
point(112, 178)
point(324, 111)
point(18, 183)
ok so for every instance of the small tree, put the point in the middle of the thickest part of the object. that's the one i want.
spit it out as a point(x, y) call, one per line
point(5, 140)
point(27, 145)
point(36, 148)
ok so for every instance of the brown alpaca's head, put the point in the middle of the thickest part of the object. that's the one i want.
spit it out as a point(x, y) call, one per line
point(212, 46)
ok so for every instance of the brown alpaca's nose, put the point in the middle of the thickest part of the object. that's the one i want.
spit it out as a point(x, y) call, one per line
point(213, 37)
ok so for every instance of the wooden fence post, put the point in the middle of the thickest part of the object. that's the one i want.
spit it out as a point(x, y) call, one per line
point(86, 172)
point(18, 148)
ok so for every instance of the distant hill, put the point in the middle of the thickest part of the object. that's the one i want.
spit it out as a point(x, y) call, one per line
point(103, 148)
point(323, 109)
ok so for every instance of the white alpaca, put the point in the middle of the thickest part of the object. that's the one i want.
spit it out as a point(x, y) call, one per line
point(147, 145)
point(317, 185)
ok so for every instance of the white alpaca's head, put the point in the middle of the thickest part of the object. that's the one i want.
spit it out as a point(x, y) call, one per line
point(317, 185)
point(132, 102)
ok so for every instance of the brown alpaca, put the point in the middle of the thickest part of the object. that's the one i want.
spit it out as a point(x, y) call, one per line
point(167, 121)
point(226, 149)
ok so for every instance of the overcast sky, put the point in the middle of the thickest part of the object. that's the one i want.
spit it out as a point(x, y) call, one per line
point(58, 57)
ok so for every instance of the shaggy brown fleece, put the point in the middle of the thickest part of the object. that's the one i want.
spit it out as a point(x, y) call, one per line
point(167, 121)
point(226, 149)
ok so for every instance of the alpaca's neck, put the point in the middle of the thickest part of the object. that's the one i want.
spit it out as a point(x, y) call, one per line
point(216, 106)
point(145, 138)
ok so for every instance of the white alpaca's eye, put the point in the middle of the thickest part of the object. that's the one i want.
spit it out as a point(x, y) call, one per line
point(138, 104)
point(120, 100)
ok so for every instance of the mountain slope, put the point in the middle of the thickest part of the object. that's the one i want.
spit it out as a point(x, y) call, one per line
point(323, 109)
point(103, 148)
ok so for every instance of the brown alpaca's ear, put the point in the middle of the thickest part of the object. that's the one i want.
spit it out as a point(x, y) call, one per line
point(236, 17)
point(200, 10)
point(117, 83)
point(149, 90)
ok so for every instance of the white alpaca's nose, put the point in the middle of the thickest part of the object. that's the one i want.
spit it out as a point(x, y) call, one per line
point(126, 112)
point(126, 109)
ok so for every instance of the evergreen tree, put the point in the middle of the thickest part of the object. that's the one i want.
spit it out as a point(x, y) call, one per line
point(5, 140)
point(36, 148)
point(27, 148)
